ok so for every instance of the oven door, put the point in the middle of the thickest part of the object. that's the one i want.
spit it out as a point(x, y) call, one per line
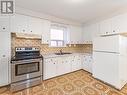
point(26, 69)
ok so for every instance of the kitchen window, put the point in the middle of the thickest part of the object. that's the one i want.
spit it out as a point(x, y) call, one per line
point(58, 35)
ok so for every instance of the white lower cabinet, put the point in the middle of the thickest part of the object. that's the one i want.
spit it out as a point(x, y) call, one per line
point(61, 65)
point(87, 63)
point(49, 68)
point(76, 63)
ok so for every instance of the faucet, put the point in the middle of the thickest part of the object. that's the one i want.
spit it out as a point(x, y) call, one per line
point(61, 51)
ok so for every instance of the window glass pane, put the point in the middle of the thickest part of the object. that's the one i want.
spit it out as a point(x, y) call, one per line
point(53, 43)
point(60, 43)
point(57, 34)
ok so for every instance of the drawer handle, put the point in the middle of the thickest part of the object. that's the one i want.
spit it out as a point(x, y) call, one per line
point(4, 28)
point(4, 56)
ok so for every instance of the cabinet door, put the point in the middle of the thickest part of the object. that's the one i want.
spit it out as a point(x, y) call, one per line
point(61, 66)
point(19, 23)
point(90, 64)
point(105, 27)
point(68, 65)
point(119, 24)
point(87, 63)
point(4, 57)
point(4, 67)
point(90, 32)
point(4, 24)
point(50, 68)
point(76, 63)
point(87, 35)
point(95, 31)
point(35, 25)
point(76, 35)
point(46, 31)
point(73, 64)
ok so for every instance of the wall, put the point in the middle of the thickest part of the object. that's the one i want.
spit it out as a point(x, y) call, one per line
point(28, 12)
point(18, 42)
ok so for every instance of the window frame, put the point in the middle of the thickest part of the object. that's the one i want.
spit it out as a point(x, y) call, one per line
point(64, 36)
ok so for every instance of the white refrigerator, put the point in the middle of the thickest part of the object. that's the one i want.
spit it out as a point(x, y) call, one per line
point(110, 60)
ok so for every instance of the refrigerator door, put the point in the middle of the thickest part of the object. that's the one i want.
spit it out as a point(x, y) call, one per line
point(106, 44)
point(105, 67)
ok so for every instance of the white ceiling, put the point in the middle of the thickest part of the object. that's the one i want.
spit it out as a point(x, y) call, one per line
point(76, 10)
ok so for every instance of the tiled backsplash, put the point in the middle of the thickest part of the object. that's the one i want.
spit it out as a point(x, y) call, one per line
point(45, 49)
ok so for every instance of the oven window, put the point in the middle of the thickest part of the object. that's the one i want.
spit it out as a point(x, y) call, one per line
point(27, 68)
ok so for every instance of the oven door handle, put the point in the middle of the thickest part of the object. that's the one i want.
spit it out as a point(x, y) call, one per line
point(27, 61)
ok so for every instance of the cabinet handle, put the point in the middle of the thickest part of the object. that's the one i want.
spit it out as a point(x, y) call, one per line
point(114, 31)
point(4, 55)
point(53, 63)
point(31, 31)
point(23, 30)
point(4, 28)
point(106, 32)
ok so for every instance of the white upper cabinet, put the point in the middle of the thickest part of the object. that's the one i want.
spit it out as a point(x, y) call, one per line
point(4, 24)
point(105, 27)
point(26, 24)
point(46, 31)
point(87, 35)
point(19, 23)
point(114, 25)
point(34, 25)
point(75, 35)
point(119, 24)
point(90, 32)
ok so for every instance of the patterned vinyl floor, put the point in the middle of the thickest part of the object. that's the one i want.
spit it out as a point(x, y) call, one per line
point(76, 83)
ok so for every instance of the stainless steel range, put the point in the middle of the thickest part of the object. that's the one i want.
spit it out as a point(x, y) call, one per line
point(26, 68)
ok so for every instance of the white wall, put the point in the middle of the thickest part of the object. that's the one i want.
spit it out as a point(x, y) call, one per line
point(122, 10)
point(45, 16)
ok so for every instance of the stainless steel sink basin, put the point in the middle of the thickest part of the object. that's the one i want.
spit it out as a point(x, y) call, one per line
point(63, 53)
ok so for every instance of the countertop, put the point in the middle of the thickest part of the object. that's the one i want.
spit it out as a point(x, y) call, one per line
point(52, 55)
